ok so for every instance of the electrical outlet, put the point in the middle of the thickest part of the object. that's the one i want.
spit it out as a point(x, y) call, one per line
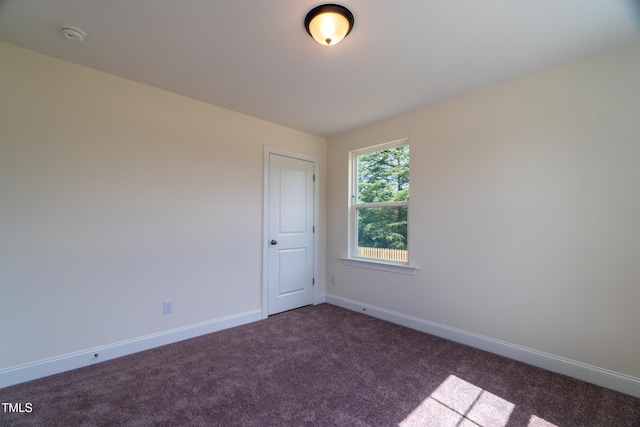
point(167, 306)
point(333, 280)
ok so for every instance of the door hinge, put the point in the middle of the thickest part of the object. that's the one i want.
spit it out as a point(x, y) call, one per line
point(314, 228)
point(314, 177)
point(313, 281)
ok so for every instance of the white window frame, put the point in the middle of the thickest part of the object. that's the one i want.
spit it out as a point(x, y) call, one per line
point(373, 263)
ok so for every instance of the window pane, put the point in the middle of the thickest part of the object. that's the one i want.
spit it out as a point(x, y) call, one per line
point(383, 176)
point(382, 232)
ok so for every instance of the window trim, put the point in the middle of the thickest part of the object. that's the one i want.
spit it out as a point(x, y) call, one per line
point(373, 263)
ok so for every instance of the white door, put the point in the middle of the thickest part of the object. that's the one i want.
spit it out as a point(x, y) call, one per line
point(290, 233)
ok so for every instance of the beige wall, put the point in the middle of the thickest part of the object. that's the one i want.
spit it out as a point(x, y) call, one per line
point(525, 213)
point(115, 196)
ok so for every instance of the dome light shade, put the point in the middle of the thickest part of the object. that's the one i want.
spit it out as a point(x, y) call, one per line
point(328, 24)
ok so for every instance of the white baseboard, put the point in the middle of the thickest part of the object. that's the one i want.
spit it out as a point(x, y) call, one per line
point(42, 368)
point(582, 371)
point(321, 298)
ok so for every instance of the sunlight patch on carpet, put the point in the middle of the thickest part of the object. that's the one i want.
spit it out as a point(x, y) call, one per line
point(539, 422)
point(457, 402)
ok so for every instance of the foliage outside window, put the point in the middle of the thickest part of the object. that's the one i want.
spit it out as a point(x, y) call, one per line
point(381, 202)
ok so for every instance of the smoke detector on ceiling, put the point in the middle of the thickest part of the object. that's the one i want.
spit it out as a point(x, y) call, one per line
point(73, 33)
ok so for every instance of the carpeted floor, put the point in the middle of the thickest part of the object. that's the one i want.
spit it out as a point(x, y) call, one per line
point(321, 366)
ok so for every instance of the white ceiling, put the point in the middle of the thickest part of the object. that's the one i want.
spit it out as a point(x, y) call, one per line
point(254, 56)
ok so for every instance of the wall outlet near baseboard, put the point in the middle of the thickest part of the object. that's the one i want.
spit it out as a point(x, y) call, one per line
point(167, 306)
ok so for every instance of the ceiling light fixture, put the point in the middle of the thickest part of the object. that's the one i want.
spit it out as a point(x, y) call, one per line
point(328, 24)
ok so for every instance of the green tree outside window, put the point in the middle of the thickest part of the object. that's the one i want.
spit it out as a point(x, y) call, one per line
point(382, 198)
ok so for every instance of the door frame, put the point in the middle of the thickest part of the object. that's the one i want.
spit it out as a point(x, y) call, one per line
point(268, 150)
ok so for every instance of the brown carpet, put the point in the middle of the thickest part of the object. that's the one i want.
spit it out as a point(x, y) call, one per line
point(322, 366)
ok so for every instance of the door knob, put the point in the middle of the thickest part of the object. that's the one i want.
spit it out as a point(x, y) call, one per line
point(274, 242)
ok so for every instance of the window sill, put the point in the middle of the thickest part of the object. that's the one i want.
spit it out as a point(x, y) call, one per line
point(380, 265)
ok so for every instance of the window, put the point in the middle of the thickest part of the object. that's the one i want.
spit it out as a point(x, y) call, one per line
point(380, 203)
